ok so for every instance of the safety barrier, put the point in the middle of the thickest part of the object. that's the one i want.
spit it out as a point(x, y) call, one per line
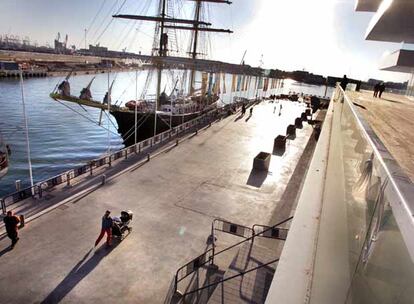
point(247, 233)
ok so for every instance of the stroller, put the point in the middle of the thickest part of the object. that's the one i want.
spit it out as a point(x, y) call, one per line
point(122, 226)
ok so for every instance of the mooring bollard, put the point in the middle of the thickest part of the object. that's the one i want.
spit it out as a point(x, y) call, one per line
point(40, 190)
point(22, 221)
point(148, 157)
point(3, 206)
point(103, 179)
point(291, 130)
point(18, 184)
point(68, 179)
point(298, 123)
point(126, 154)
point(176, 142)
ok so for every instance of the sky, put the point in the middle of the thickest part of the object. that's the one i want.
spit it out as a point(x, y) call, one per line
point(320, 36)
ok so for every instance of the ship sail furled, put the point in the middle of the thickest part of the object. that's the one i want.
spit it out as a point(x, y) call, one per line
point(164, 23)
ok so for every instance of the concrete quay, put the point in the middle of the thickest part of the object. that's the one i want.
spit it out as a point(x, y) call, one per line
point(174, 197)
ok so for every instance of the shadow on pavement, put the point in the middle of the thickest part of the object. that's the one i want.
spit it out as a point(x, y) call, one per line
point(239, 117)
point(257, 178)
point(85, 266)
point(4, 251)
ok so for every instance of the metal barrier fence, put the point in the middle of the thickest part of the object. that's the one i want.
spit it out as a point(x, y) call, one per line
point(66, 177)
point(245, 232)
point(231, 228)
point(192, 266)
point(270, 232)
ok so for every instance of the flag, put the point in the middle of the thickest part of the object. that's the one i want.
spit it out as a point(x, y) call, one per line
point(233, 83)
point(242, 82)
point(247, 83)
point(260, 85)
point(204, 77)
point(265, 84)
point(210, 83)
point(216, 87)
point(224, 83)
point(239, 80)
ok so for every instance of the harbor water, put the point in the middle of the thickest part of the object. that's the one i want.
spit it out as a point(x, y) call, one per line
point(65, 135)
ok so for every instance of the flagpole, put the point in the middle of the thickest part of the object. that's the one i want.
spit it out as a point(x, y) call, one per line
point(136, 103)
point(109, 119)
point(27, 133)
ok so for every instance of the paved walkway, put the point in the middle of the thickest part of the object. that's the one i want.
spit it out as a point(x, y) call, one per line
point(391, 117)
point(174, 198)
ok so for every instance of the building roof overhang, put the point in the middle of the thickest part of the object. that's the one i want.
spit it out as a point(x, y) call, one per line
point(399, 61)
point(367, 5)
point(393, 22)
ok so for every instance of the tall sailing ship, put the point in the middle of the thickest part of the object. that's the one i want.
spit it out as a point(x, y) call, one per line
point(140, 119)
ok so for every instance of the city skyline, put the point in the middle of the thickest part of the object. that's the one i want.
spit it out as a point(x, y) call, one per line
point(322, 36)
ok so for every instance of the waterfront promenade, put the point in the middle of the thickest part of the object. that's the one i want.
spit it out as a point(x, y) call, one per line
point(391, 117)
point(174, 198)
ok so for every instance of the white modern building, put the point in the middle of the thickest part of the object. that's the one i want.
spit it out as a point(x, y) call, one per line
point(393, 21)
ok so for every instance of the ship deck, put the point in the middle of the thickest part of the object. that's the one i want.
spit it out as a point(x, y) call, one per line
point(175, 198)
point(391, 117)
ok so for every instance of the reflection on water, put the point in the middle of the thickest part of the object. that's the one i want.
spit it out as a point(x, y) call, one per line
point(62, 138)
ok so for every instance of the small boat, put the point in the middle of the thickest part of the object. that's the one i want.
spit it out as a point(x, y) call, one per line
point(4, 157)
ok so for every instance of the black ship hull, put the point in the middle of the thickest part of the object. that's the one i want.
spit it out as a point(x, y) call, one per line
point(145, 125)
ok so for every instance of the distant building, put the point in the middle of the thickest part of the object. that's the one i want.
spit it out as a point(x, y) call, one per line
point(9, 65)
point(97, 49)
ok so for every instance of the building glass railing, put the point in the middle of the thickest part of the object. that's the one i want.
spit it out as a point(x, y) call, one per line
point(377, 203)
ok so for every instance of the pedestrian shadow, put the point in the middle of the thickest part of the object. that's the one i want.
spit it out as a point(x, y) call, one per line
point(239, 117)
point(391, 100)
point(257, 178)
point(248, 117)
point(85, 266)
point(358, 105)
point(5, 250)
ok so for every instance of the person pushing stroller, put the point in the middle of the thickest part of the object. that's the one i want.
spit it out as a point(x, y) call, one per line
point(106, 227)
point(115, 227)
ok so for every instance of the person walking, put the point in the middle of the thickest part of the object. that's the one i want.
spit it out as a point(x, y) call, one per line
point(11, 221)
point(376, 89)
point(344, 82)
point(106, 228)
point(381, 89)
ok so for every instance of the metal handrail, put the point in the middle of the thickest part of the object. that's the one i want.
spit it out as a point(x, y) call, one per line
point(254, 235)
point(66, 176)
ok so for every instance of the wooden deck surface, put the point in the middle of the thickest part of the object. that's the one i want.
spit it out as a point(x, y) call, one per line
point(392, 118)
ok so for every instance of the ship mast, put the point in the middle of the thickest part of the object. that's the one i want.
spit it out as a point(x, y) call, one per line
point(169, 22)
point(194, 52)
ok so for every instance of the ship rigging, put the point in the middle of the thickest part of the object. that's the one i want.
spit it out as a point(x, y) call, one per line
point(147, 117)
